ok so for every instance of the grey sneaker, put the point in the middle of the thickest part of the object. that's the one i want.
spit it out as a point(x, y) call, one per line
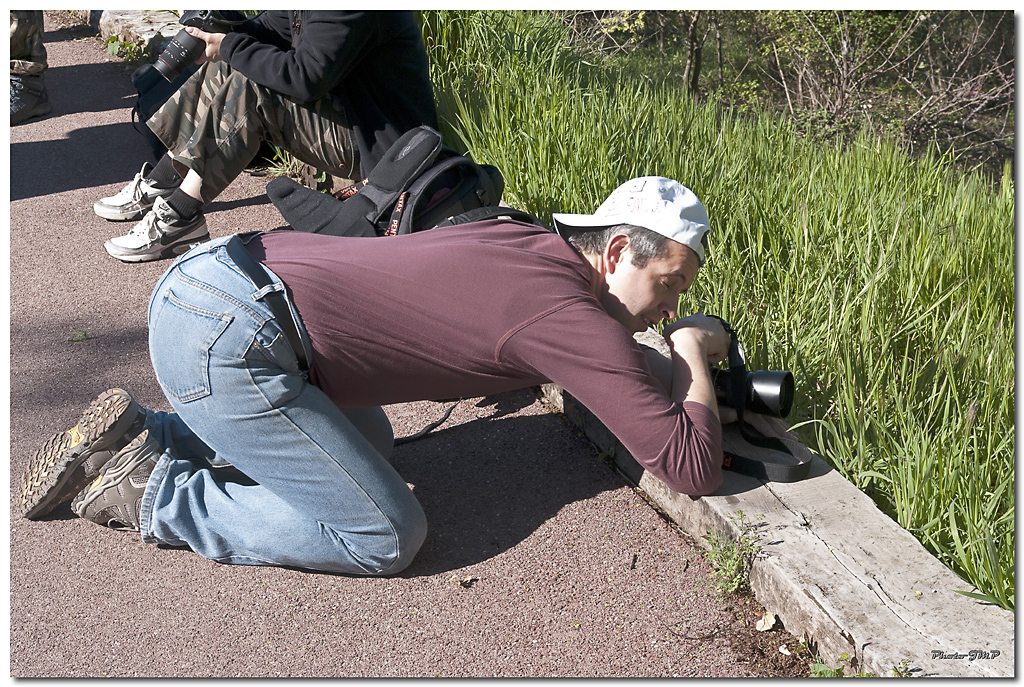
point(28, 98)
point(160, 234)
point(134, 200)
point(68, 461)
point(115, 499)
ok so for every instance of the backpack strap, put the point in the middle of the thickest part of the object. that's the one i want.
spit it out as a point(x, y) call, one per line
point(486, 213)
point(406, 160)
point(766, 470)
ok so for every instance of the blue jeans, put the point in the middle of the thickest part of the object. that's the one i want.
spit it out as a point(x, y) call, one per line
point(320, 495)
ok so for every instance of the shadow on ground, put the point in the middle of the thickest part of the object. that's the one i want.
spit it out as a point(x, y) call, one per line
point(42, 168)
point(63, 366)
point(487, 485)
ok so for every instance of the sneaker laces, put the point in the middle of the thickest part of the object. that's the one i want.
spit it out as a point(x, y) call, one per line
point(146, 228)
point(132, 191)
point(149, 226)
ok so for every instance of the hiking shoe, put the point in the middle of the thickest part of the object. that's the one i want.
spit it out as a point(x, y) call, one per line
point(160, 234)
point(134, 200)
point(28, 98)
point(114, 499)
point(68, 461)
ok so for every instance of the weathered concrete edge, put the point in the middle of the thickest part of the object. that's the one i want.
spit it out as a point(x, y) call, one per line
point(151, 28)
point(841, 599)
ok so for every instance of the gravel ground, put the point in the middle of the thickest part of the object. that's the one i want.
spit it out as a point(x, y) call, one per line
point(540, 561)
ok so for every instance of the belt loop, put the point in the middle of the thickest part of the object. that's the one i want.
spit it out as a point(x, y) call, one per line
point(271, 294)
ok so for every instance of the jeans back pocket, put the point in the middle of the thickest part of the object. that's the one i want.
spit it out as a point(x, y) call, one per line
point(181, 336)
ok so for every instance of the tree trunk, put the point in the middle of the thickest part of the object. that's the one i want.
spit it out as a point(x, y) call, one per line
point(691, 73)
point(718, 42)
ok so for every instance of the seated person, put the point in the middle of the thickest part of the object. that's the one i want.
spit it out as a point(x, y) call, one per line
point(461, 311)
point(335, 89)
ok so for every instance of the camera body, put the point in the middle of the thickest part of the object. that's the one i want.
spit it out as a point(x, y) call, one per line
point(184, 49)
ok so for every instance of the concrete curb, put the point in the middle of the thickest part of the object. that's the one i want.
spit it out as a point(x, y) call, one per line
point(151, 28)
point(837, 571)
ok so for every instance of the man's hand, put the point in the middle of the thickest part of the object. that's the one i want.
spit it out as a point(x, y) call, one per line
point(696, 342)
point(706, 331)
point(212, 40)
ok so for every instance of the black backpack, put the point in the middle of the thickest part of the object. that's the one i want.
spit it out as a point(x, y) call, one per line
point(418, 184)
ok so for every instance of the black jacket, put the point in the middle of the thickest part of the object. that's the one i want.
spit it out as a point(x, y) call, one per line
point(372, 63)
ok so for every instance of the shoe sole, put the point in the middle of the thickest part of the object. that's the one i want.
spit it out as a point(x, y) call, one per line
point(115, 471)
point(52, 476)
point(160, 252)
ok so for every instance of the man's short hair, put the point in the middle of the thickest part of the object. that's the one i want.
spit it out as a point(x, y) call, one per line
point(646, 244)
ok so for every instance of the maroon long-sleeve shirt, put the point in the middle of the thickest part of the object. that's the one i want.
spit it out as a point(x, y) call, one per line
point(474, 310)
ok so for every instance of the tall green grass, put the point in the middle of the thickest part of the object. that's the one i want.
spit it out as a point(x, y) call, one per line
point(884, 284)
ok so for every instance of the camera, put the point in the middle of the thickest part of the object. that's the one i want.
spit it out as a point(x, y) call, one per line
point(184, 49)
point(769, 392)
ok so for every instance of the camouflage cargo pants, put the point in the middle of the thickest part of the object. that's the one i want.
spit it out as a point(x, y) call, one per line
point(28, 55)
point(217, 120)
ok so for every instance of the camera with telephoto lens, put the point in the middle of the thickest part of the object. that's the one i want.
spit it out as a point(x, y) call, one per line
point(769, 392)
point(184, 49)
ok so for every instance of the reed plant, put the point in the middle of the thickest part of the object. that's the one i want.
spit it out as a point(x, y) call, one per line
point(884, 283)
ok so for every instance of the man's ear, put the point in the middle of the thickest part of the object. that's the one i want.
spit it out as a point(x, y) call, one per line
point(617, 250)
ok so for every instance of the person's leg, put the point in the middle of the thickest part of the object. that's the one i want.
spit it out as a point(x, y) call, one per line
point(324, 496)
point(318, 133)
point(212, 127)
point(215, 124)
point(28, 62)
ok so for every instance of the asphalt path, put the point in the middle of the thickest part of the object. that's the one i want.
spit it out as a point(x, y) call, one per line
point(540, 561)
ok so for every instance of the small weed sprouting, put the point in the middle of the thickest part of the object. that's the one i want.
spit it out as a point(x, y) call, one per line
point(284, 164)
point(902, 670)
point(821, 669)
point(730, 557)
point(129, 51)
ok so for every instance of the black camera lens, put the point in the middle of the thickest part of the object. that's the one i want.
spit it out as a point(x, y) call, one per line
point(182, 50)
point(769, 392)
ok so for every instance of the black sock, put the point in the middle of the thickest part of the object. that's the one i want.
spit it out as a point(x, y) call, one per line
point(164, 174)
point(185, 205)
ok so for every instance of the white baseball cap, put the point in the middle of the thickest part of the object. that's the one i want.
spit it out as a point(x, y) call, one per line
point(656, 203)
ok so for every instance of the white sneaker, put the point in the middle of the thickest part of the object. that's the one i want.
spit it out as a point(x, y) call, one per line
point(134, 200)
point(160, 234)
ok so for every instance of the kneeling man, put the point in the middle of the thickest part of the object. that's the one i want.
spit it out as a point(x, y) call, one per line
point(276, 351)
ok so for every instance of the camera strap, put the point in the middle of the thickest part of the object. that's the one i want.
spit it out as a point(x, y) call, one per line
point(755, 467)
